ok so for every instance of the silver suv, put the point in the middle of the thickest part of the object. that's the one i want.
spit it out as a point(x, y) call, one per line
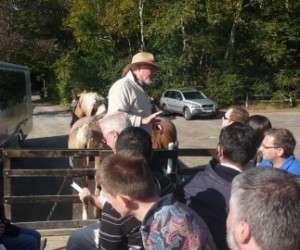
point(189, 102)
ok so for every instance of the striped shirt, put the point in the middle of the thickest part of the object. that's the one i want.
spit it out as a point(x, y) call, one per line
point(119, 233)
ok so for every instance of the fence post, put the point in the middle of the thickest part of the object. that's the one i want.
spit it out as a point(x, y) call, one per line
point(6, 184)
point(170, 167)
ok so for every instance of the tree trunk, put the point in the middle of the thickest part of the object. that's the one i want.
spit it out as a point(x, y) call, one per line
point(141, 8)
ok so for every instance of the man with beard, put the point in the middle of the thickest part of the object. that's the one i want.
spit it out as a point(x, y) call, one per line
point(129, 94)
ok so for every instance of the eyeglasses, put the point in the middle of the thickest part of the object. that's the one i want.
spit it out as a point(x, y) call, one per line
point(266, 147)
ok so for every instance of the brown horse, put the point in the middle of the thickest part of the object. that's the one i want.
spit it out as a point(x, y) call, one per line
point(163, 133)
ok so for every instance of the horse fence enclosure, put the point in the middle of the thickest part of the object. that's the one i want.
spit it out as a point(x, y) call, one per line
point(9, 173)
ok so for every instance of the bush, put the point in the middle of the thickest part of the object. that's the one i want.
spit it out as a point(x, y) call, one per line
point(279, 99)
point(226, 90)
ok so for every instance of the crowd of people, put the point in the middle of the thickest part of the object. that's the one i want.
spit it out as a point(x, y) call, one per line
point(247, 197)
point(201, 213)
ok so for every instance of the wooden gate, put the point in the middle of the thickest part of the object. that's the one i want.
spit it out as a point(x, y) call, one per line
point(7, 155)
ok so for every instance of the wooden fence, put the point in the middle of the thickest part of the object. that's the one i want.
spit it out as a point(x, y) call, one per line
point(7, 155)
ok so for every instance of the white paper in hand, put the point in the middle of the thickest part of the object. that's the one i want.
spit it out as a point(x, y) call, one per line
point(76, 187)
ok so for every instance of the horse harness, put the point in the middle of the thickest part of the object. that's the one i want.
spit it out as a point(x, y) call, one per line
point(97, 104)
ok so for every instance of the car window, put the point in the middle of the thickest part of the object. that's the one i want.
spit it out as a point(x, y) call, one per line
point(177, 96)
point(167, 94)
point(194, 95)
point(173, 94)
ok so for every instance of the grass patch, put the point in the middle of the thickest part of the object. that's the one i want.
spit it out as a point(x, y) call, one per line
point(268, 107)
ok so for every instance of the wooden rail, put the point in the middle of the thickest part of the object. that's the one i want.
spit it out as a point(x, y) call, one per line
point(8, 173)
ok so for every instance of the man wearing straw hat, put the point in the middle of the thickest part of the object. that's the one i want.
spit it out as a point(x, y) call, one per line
point(129, 94)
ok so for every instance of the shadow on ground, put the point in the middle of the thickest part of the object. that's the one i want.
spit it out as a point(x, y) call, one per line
point(47, 142)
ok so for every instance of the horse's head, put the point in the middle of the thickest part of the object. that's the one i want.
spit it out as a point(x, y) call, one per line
point(164, 133)
point(76, 106)
point(88, 104)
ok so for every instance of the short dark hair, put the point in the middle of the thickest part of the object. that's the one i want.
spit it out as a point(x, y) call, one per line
point(268, 199)
point(126, 172)
point(283, 138)
point(136, 139)
point(260, 124)
point(239, 142)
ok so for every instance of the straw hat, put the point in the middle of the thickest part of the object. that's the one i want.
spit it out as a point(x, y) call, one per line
point(141, 58)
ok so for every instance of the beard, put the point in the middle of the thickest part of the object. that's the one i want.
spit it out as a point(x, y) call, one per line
point(148, 81)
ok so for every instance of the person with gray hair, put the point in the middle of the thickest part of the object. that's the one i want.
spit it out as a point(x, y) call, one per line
point(112, 125)
point(264, 210)
point(277, 149)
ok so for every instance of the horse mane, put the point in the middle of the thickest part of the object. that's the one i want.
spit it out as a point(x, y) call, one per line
point(83, 136)
point(90, 100)
point(173, 127)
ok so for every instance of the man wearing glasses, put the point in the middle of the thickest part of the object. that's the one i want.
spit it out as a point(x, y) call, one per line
point(235, 114)
point(278, 150)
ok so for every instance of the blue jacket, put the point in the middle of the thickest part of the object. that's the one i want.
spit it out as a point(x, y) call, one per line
point(291, 165)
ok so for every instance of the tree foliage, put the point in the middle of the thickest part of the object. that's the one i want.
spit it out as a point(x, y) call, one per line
point(228, 49)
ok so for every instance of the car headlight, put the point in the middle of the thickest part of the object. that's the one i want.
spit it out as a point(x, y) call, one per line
point(195, 106)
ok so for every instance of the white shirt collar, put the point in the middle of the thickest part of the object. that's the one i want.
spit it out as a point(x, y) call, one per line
point(231, 166)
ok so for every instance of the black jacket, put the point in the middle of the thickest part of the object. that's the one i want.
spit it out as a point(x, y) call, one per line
point(208, 193)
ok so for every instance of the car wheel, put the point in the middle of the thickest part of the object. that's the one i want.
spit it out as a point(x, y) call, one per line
point(187, 114)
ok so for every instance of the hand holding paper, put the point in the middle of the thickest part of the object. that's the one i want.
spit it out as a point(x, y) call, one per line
point(76, 187)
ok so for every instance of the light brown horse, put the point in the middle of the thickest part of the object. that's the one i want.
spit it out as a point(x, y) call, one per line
point(87, 104)
point(91, 104)
point(85, 132)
